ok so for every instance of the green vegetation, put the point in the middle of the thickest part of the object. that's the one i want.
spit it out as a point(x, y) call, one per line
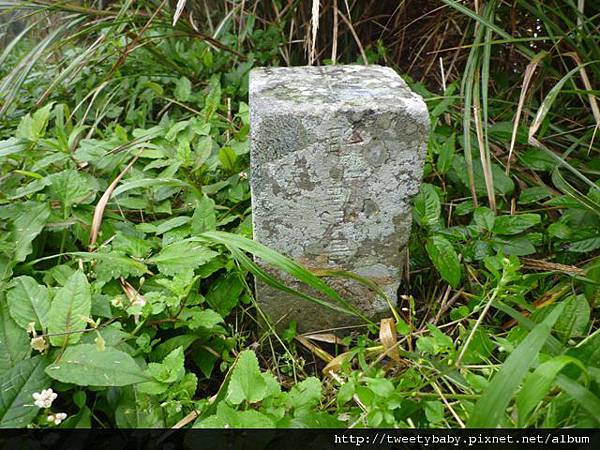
point(125, 251)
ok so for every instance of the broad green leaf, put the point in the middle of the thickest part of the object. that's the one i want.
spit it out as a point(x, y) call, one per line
point(227, 417)
point(69, 310)
point(444, 258)
point(171, 369)
point(213, 98)
point(32, 127)
point(14, 341)
point(155, 183)
point(204, 218)
point(201, 318)
point(575, 317)
point(167, 346)
point(585, 245)
point(484, 218)
point(305, 394)
point(427, 206)
point(183, 89)
point(538, 383)
point(502, 183)
point(533, 194)
point(6, 266)
point(228, 157)
point(28, 302)
point(446, 154)
point(170, 224)
point(382, 387)
point(113, 264)
point(71, 187)
point(517, 246)
point(224, 293)
point(85, 365)
point(181, 256)
point(247, 383)
point(489, 409)
point(515, 224)
point(27, 226)
point(16, 392)
point(434, 411)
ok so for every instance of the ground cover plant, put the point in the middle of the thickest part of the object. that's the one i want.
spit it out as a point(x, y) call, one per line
point(125, 224)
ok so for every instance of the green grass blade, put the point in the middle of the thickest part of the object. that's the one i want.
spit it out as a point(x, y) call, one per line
point(583, 396)
point(538, 383)
point(280, 262)
point(489, 410)
point(258, 272)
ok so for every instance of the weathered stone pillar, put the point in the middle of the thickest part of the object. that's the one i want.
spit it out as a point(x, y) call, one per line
point(336, 154)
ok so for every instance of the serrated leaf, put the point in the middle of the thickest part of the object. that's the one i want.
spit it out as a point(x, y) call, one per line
point(28, 302)
point(69, 310)
point(305, 394)
point(247, 383)
point(183, 89)
point(227, 417)
point(181, 256)
point(85, 365)
point(171, 369)
point(205, 318)
point(16, 392)
point(204, 218)
point(27, 226)
point(515, 224)
point(14, 341)
point(444, 258)
point(70, 187)
point(113, 265)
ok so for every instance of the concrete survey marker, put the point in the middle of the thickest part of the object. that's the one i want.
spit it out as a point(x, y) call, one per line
point(336, 154)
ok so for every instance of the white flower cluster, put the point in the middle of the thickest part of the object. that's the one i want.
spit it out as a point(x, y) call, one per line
point(45, 398)
point(57, 418)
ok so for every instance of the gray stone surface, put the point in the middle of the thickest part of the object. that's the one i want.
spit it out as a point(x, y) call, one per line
point(336, 154)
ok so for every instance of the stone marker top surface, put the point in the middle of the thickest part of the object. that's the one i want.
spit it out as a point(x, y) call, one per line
point(315, 88)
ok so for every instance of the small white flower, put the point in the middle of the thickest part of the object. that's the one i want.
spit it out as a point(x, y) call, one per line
point(57, 418)
point(45, 398)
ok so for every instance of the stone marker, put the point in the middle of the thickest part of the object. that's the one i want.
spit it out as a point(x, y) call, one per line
point(336, 154)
